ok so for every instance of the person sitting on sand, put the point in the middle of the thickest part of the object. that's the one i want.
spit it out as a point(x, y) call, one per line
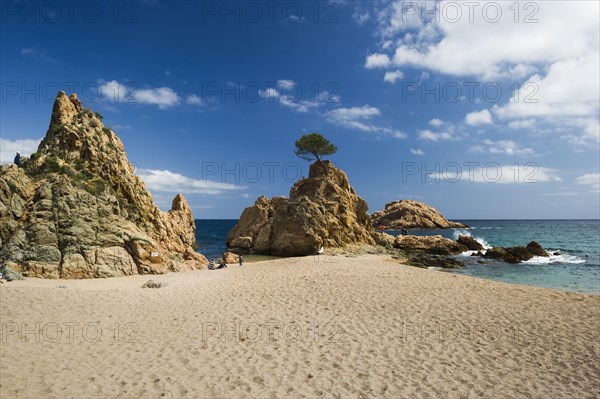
point(211, 265)
point(222, 265)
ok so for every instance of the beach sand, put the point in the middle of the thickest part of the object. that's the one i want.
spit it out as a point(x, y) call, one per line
point(302, 327)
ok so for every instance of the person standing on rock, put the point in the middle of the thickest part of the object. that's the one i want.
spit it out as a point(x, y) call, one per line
point(381, 229)
point(241, 259)
point(18, 159)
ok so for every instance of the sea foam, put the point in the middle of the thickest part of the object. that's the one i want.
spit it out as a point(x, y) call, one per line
point(560, 258)
point(484, 243)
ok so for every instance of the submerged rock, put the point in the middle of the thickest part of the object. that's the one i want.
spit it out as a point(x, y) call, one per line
point(76, 209)
point(516, 254)
point(409, 214)
point(323, 211)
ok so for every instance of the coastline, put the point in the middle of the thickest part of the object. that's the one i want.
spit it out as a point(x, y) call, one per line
point(303, 327)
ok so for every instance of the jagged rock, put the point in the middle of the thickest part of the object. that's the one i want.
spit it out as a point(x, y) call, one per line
point(230, 257)
point(503, 254)
point(516, 254)
point(536, 249)
point(470, 243)
point(384, 240)
point(76, 209)
point(323, 211)
point(409, 214)
point(429, 244)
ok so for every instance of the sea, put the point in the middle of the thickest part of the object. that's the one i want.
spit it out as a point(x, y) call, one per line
point(574, 264)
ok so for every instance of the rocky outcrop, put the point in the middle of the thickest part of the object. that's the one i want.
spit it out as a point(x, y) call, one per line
point(536, 249)
point(429, 244)
point(323, 211)
point(470, 243)
point(77, 210)
point(516, 254)
point(409, 214)
point(230, 258)
point(426, 260)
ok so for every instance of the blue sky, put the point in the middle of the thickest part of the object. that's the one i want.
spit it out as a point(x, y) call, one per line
point(487, 112)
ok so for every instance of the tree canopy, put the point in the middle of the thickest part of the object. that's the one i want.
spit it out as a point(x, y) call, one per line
point(314, 146)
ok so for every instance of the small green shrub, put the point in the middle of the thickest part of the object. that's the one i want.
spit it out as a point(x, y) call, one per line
point(79, 164)
point(99, 115)
point(95, 187)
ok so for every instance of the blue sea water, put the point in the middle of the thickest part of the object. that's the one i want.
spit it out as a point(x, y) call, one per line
point(211, 236)
point(575, 267)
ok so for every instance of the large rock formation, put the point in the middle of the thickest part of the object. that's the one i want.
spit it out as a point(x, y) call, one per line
point(323, 211)
point(409, 214)
point(77, 210)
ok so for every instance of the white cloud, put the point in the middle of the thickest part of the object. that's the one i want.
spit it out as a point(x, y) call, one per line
point(167, 181)
point(567, 97)
point(34, 53)
point(418, 151)
point(288, 94)
point(436, 122)
point(561, 194)
point(488, 49)
point(361, 16)
point(592, 180)
point(377, 60)
point(193, 99)
point(502, 147)
point(286, 83)
point(9, 148)
point(430, 135)
point(164, 97)
point(360, 118)
point(522, 124)
point(570, 89)
point(353, 117)
point(529, 173)
point(298, 105)
point(483, 117)
point(114, 91)
point(558, 54)
point(393, 76)
point(587, 133)
point(269, 93)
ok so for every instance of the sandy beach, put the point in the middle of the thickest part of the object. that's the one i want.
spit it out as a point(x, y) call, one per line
point(301, 327)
